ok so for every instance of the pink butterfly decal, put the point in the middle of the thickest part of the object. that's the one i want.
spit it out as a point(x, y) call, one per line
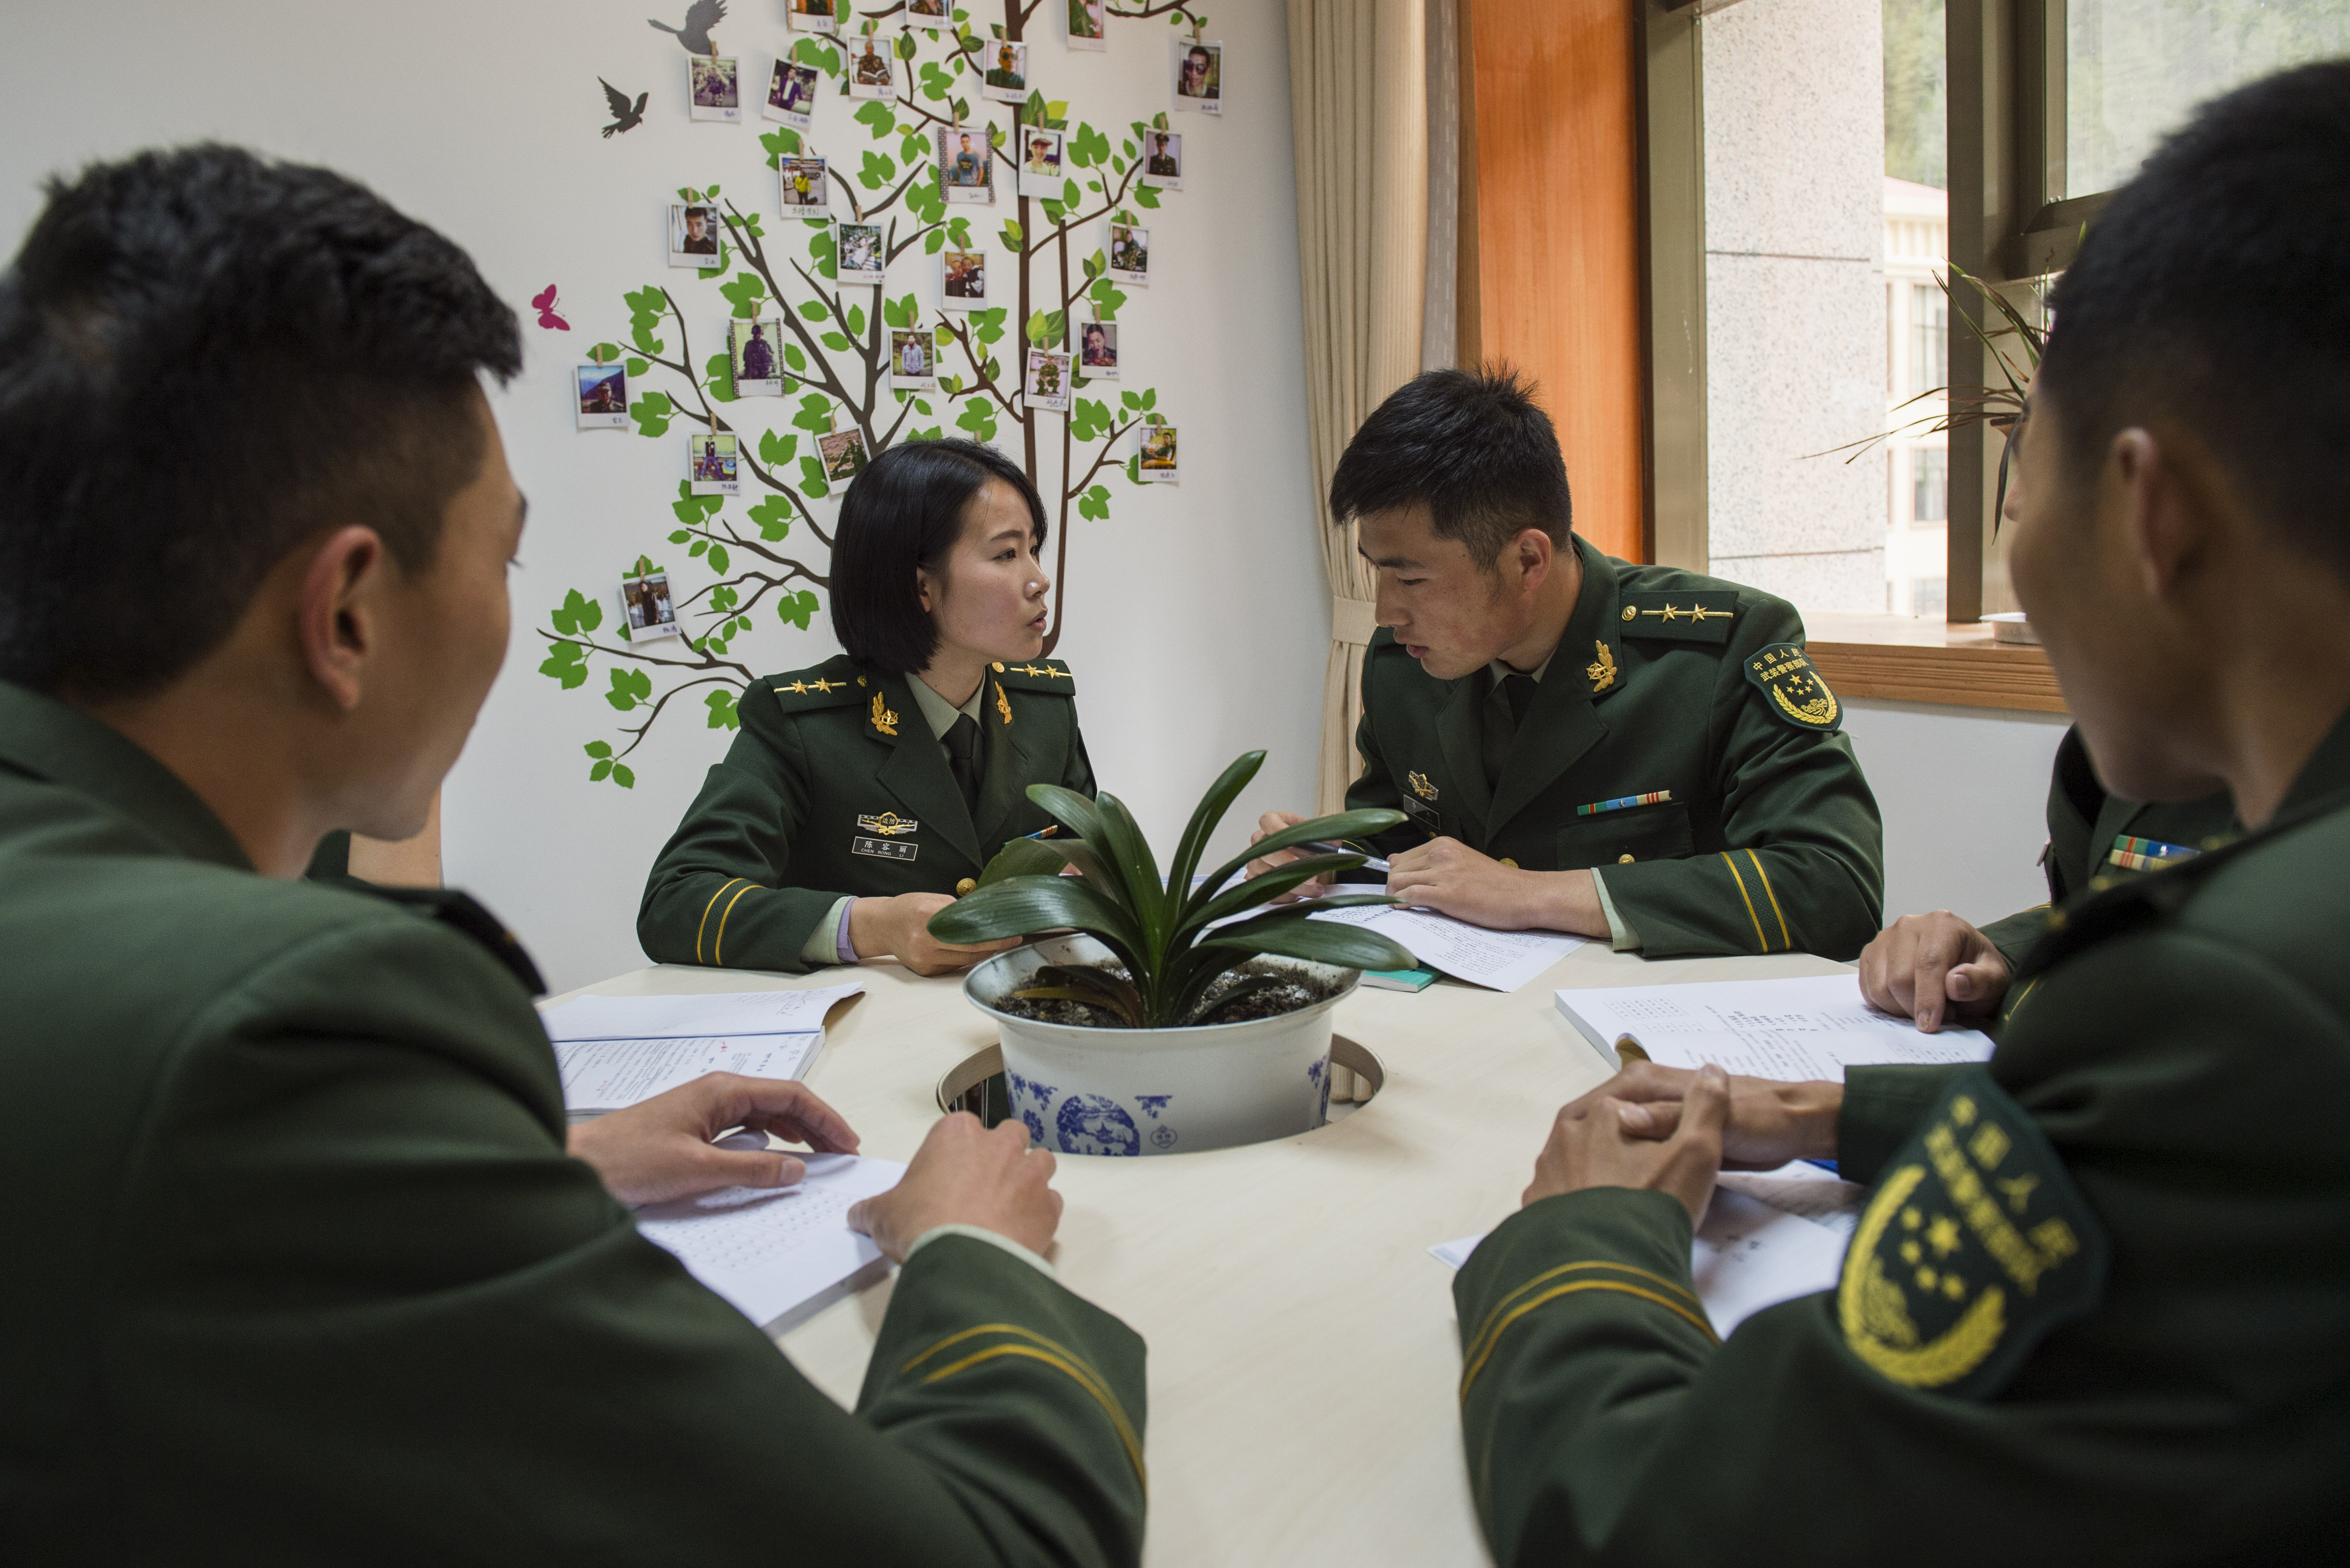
point(544, 303)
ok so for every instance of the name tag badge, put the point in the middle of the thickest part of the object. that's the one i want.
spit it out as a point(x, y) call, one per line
point(1421, 812)
point(884, 848)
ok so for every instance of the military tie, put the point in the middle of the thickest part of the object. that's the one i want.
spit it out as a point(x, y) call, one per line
point(1518, 691)
point(963, 759)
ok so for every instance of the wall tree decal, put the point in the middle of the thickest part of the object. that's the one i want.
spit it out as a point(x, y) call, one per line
point(835, 362)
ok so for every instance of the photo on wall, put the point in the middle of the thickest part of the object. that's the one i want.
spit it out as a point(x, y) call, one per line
point(1046, 384)
point(1097, 350)
point(811, 17)
point(966, 164)
point(844, 455)
point(869, 72)
point(1162, 164)
point(925, 8)
point(1008, 71)
point(711, 464)
point(603, 397)
point(791, 95)
point(1129, 255)
point(1157, 453)
point(646, 602)
point(856, 252)
point(964, 280)
point(1200, 76)
point(1040, 160)
point(693, 236)
point(1088, 28)
point(713, 88)
point(805, 193)
point(913, 361)
point(757, 346)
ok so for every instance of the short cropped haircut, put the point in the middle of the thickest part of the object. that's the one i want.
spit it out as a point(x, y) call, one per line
point(902, 514)
point(2215, 290)
point(1473, 446)
point(205, 359)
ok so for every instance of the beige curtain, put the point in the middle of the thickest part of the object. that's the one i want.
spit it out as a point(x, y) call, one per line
point(1359, 102)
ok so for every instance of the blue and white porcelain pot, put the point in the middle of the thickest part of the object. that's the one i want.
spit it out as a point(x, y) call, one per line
point(1158, 1091)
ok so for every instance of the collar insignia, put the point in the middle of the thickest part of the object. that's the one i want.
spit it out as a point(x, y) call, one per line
point(1003, 705)
point(885, 718)
point(1602, 671)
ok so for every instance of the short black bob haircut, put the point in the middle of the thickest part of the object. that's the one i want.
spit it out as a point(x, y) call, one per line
point(2214, 290)
point(902, 514)
point(205, 359)
point(1474, 446)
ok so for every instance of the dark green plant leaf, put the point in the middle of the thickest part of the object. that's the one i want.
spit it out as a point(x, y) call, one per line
point(1021, 858)
point(1212, 807)
point(1262, 889)
point(1024, 906)
point(1070, 809)
point(1329, 829)
point(1323, 941)
point(1134, 865)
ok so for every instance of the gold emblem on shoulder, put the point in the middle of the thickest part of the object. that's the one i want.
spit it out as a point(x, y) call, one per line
point(823, 685)
point(883, 718)
point(889, 825)
point(1003, 705)
point(1420, 786)
point(1058, 674)
point(1631, 614)
point(1603, 670)
point(797, 689)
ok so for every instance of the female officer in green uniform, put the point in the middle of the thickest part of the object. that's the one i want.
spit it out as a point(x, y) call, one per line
point(864, 793)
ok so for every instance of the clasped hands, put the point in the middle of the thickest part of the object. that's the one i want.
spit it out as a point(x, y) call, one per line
point(662, 1148)
point(1447, 875)
point(1666, 1130)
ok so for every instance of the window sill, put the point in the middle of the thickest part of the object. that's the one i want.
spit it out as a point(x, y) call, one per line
point(1911, 660)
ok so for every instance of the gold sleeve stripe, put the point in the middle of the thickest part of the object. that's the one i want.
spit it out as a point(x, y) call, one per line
point(1484, 1332)
point(1759, 940)
point(1469, 1375)
point(1055, 1354)
point(719, 941)
point(699, 929)
point(1774, 899)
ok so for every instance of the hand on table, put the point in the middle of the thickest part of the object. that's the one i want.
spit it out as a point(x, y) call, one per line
point(901, 927)
point(1933, 967)
point(965, 1174)
point(1769, 1124)
point(1591, 1144)
point(1274, 822)
point(1447, 875)
point(660, 1148)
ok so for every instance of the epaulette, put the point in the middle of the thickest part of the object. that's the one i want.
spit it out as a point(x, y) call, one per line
point(1682, 617)
point(461, 912)
point(1037, 675)
point(832, 684)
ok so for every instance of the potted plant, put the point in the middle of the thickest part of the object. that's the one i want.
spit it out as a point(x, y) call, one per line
point(1176, 1017)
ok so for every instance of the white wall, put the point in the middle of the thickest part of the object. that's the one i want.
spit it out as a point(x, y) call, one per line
point(1198, 618)
point(1965, 795)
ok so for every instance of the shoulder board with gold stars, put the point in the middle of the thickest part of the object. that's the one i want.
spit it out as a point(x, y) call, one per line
point(1791, 688)
point(1682, 617)
point(1973, 1247)
point(832, 684)
point(1037, 675)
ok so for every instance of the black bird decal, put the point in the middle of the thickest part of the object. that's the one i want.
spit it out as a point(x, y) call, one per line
point(699, 18)
point(623, 117)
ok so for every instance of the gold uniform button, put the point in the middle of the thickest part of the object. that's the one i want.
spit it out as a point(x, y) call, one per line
point(1509, 863)
point(1622, 860)
point(999, 667)
point(965, 886)
point(1631, 614)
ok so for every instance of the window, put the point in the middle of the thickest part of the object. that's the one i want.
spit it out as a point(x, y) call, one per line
point(1929, 484)
point(1930, 336)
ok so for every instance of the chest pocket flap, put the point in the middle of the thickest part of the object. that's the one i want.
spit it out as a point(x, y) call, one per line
point(1656, 832)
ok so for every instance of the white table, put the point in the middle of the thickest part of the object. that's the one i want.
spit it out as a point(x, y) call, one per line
point(1303, 1350)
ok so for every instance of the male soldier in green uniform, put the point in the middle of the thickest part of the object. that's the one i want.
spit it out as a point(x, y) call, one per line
point(1936, 966)
point(840, 780)
point(2097, 1308)
point(1583, 745)
point(298, 1268)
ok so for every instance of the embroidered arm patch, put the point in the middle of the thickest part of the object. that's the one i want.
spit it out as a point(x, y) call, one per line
point(1793, 690)
point(1975, 1245)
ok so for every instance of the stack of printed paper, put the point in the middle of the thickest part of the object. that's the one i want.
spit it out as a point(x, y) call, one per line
point(1792, 1030)
point(771, 1250)
point(614, 1050)
point(1500, 961)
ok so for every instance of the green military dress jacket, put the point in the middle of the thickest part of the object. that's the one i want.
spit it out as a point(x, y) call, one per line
point(1679, 744)
point(2092, 835)
point(298, 1272)
point(2096, 1309)
point(837, 788)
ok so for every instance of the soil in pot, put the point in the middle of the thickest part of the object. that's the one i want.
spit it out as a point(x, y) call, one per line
point(1295, 992)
